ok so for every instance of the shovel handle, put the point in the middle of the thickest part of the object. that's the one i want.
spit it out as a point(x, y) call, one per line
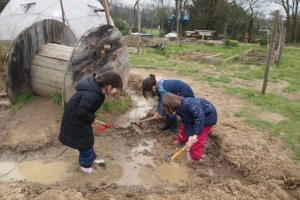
point(144, 120)
point(179, 152)
point(99, 122)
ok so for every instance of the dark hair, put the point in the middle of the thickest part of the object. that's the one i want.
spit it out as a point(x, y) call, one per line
point(171, 102)
point(109, 78)
point(147, 85)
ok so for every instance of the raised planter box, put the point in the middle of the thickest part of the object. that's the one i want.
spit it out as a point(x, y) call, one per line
point(132, 40)
point(255, 56)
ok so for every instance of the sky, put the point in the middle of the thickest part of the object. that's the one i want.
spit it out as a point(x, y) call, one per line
point(267, 11)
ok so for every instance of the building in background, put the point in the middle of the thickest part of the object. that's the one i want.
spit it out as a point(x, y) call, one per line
point(79, 15)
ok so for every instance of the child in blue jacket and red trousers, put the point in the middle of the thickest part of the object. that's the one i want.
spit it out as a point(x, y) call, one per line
point(176, 87)
point(198, 116)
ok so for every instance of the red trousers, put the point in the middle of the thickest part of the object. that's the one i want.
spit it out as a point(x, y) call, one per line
point(197, 150)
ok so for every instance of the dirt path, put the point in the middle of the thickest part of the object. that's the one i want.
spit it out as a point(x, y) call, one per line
point(240, 162)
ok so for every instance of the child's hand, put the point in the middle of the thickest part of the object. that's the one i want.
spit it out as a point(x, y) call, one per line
point(192, 140)
point(157, 115)
point(94, 122)
point(158, 78)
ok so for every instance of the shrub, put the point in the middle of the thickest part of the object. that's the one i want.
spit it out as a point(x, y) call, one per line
point(231, 43)
point(57, 98)
point(123, 26)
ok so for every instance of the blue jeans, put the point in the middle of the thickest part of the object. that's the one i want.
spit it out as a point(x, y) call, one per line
point(86, 157)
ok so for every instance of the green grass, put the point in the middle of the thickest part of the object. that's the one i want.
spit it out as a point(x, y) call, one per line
point(24, 98)
point(223, 74)
point(153, 31)
point(116, 104)
point(57, 98)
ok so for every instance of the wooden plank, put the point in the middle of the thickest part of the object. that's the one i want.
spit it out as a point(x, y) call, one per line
point(53, 83)
point(53, 53)
point(5, 103)
point(47, 63)
point(47, 71)
point(59, 47)
point(236, 57)
point(46, 77)
point(44, 90)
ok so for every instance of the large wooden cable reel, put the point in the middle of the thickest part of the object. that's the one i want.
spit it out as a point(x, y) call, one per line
point(46, 58)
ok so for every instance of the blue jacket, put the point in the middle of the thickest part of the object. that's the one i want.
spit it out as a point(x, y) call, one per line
point(197, 113)
point(175, 87)
point(76, 130)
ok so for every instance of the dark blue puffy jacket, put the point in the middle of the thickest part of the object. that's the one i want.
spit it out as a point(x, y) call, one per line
point(197, 113)
point(76, 130)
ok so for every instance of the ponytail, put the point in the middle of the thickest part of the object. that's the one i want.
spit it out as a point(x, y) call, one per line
point(147, 85)
point(109, 78)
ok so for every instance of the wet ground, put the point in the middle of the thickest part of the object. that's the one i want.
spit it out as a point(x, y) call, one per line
point(135, 155)
point(239, 162)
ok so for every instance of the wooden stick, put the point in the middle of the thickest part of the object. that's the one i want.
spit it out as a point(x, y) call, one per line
point(5, 103)
point(107, 15)
point(179, 152)
point(99, 122)
point(144, 120)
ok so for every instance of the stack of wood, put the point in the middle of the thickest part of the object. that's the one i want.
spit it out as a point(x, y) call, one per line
point(4, 102)
point(255, 56)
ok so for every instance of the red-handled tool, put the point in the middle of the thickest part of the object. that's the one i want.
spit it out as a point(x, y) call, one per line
point(103, 126)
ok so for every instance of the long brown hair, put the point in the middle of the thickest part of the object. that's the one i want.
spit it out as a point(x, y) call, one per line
point(171, 102)
point(147, 86)
point(109, 78)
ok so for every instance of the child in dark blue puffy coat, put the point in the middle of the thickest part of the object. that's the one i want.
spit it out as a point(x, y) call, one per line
point(198, 115)
point(176, 87)
point(76, 126)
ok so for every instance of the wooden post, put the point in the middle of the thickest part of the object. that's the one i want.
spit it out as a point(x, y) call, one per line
point(281, 44)
point(177, 20)
point(270, 52)
point(273, 42)
point(107, 15)
point(62, 11)
point(139, 26)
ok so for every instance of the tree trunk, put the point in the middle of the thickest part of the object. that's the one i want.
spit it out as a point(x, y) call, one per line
point(251, 22)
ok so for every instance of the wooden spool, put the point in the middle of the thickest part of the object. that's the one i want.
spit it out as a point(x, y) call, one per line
point(46, 58)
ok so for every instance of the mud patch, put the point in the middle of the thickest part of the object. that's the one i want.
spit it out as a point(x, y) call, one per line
point(240, 162)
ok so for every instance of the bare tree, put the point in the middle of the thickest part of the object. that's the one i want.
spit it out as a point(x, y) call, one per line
point(162, 7)
point(291, 8)
point(241, 9)
point(150, 13)
point(253, 8)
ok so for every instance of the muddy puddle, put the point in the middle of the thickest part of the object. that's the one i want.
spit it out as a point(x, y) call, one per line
point(125, 165)
point(135, 168)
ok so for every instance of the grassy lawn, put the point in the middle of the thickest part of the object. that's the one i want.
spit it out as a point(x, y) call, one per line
point(223, 74)
point(154, 31)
